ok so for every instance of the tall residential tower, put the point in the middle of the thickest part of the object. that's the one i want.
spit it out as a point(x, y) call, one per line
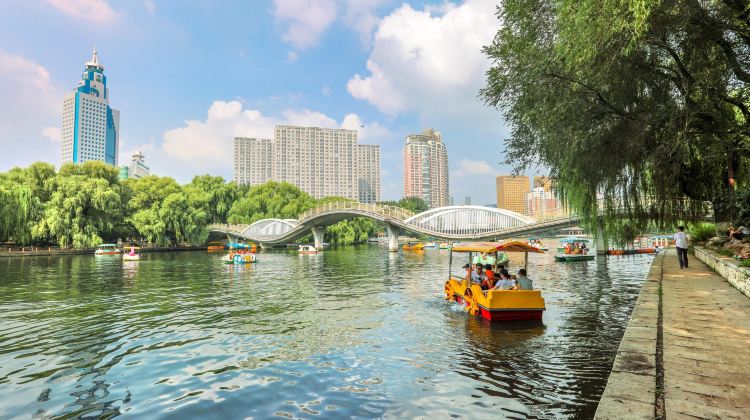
point(323, 162)
point(90, 128)
point(426, 168)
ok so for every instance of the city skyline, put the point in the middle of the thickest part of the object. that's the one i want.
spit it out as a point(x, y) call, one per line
point(184, 104)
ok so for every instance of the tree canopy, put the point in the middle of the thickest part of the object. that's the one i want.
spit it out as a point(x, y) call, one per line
point(644, 104)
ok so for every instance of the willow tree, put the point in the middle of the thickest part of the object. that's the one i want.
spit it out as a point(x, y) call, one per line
point(644, 104)
point(270, 200)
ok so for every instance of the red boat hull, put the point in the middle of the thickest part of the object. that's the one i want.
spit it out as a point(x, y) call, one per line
point(507, 314)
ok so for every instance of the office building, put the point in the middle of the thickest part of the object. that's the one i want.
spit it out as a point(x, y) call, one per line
point(426, 168)
point(511, 192)
point(368, 166)
point(544, 182)
point(320, 161)
point(137, 168)
point(90, 128)
point(252, 160)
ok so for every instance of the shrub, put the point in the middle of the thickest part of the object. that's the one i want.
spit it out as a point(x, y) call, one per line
point(701, 232)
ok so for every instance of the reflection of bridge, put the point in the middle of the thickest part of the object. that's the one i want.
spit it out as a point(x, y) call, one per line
point(452, 223)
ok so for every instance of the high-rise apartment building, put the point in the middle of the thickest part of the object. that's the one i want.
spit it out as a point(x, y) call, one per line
point(511, 192)
point(320, 161)
point(137, 168)
point(541, 201)
point(90, 128)
point(426, 168)
point(368, 166)
point(252, 160)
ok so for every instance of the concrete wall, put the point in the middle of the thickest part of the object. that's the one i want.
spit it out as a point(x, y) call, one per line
point(727, 267)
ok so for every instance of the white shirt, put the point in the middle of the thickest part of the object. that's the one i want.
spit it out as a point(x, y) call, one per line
point(680, 240)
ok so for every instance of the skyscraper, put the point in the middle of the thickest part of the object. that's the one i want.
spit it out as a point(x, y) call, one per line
point(368, 166)
point(90, 128)
point(426, 168)
point(252, 160)
point(321, 161)
point(511, 193)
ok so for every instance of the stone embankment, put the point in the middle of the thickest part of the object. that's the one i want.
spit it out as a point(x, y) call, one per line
point(42, 252)
point(686, 350)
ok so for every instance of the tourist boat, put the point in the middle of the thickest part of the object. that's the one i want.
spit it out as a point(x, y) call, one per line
point(575, 255)
point(307, 249)
point(495, 305)
point(250, 247)
point(108, 249)
point(445, 245)
point(215, 247)
point(132, 255)
point(233, 258)
point(413, 246)
point(431, 245)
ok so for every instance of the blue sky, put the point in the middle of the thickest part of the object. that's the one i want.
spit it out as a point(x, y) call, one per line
point(187, 76)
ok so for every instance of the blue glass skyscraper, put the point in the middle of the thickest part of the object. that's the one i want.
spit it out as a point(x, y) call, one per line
point(90, 128)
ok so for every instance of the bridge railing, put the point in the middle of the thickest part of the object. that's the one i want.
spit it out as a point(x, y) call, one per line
point(224, 227)
point(379, 209)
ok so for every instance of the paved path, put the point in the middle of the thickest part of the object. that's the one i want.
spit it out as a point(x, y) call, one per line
point(705, 353)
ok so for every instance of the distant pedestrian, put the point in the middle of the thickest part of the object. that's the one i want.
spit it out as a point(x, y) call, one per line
point(681, 243)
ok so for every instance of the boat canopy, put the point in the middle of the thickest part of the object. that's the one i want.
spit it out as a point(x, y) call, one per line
point(574, 239)
point(107, 245)
point(488, 247)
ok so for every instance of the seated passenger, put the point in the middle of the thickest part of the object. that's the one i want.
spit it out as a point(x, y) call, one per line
point(467, 267)
point(505, 283)
point(477, 275)
point(489, 278)
point(524, 283)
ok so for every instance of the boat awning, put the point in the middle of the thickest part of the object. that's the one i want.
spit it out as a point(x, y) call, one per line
point(107, 245)
point(488, 247)
point(569, 240)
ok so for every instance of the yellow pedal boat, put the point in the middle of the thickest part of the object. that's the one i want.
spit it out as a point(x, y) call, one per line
point(495, 305)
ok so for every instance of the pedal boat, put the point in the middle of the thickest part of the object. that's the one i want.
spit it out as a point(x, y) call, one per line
point(107, 249)
point(233, 258)
point(494, 305)
point(307, 249)
point(413, 246)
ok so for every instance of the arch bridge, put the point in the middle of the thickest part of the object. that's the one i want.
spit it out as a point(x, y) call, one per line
point(451, 223)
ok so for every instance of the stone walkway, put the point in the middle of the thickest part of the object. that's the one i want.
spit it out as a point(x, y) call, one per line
point(705, 352)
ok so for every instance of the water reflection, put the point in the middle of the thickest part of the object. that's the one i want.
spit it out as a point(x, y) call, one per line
point(348, 332)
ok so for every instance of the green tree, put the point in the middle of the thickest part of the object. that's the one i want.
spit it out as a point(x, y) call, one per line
point(349, 231)
point(83, 207)
point(642, 103)
point(270, 200)
point(221, 195)
point(23, 194)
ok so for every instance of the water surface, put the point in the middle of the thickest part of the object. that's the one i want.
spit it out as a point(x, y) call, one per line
point(352, 332)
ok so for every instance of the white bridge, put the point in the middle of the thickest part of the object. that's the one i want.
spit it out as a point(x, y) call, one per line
point(452, 223)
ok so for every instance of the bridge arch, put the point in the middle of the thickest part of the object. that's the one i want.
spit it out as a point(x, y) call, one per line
point(468, 220)
point(270, 228)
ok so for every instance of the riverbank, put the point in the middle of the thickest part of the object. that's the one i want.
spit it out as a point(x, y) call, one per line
point(685, 350)
point(42, 252)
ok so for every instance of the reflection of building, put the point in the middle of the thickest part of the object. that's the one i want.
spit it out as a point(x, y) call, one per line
point(137, 168)
point(511, 192)
point(90, 128)
point(320, 161)
point(368, 168)
point(426, 168)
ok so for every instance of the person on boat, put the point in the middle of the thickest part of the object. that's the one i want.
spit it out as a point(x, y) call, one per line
point(567, 248)
point(583, 248)
point(489, 278)
point(477, 276)
point(524, 283)
point(467, 267)
point(132, 251)
point(505, 282)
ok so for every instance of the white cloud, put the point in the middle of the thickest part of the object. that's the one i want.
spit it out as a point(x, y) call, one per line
point(305, 20)
point(368, 133)
point(31, 109)
point(468, 167)
point(292, 56)
point(429, 61)
point(54, 134)
point(96, 11)
point(360, 16)
point(206, 146)
point(150, 7)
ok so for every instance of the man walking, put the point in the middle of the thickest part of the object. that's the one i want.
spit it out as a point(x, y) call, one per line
point(681, 243)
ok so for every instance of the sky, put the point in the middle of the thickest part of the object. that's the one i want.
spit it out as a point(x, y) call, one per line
point(189, 75)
